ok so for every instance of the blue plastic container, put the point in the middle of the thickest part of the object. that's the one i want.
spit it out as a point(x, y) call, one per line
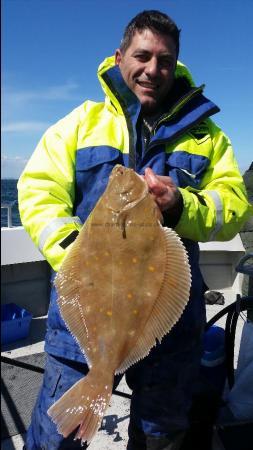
point(15, 323)
point(213, 365)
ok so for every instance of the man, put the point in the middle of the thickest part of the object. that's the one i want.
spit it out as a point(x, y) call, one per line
point(156, 121)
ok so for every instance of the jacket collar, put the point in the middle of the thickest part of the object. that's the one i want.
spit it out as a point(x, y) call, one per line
point(121, 98)
point(186, 106)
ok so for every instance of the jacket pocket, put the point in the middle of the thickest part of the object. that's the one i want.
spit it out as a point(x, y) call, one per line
point(88, 158)
point(186, 169)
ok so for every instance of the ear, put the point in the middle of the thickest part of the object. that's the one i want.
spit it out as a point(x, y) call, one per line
point(118, 56)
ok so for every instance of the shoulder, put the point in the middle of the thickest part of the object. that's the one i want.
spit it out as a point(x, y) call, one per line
point(75, 118)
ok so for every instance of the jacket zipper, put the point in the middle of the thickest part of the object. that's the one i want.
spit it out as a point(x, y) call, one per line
point(132, 157)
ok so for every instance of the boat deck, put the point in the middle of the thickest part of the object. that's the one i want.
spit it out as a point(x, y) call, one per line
point(113, 432)
point(25, 273)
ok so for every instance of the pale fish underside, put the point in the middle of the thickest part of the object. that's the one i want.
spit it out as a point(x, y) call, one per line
point(124, 284)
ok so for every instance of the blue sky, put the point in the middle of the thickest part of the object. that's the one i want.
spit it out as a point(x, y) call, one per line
point(51, 50)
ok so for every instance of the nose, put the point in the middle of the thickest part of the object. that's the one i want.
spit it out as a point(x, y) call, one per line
point(152, 67)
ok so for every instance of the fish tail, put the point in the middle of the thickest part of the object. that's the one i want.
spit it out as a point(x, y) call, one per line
point(83, 407)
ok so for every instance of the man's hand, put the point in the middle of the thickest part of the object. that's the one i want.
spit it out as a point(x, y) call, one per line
point(163, 189)
point(167, 197)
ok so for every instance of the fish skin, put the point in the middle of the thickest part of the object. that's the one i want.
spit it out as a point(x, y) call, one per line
point(119, 289)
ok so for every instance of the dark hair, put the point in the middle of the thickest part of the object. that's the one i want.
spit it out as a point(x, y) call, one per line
point(154, 20)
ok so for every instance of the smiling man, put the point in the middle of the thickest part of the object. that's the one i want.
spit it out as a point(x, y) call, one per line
point(148, 67)
point(156, 121)
point(147, 59)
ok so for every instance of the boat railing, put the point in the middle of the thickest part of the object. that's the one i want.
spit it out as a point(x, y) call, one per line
point(9, 207)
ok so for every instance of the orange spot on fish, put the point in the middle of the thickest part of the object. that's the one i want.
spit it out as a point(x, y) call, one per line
point(129, 295)
point(131, 333)
point(109, 313)
point(135, 311)
point(134, 260)
point(151, 268)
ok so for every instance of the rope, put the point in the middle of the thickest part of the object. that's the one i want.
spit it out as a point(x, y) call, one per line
point(37, 369)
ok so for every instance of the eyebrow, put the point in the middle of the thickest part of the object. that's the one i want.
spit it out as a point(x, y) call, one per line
point(142, 50)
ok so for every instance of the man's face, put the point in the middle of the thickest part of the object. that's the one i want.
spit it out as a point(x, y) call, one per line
point(148, 67)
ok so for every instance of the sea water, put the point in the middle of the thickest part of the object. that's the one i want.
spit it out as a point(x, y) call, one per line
point(9, 195)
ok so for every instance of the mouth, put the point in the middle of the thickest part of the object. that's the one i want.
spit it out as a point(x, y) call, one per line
point(147, 85)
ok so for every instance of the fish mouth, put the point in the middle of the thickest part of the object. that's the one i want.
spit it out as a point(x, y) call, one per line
point(126, 188)
point(120, 170)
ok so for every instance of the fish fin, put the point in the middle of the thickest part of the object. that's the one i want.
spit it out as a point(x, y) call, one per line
point(67, 283)
point(83, 407)
point(170, 303)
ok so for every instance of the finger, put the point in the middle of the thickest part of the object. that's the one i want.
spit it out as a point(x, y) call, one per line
point(166, 180)
point(150, 176)
point(153, 179)
point(154, 184)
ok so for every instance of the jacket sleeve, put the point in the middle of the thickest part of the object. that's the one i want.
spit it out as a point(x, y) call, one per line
point(46, 190)
point(216, 211)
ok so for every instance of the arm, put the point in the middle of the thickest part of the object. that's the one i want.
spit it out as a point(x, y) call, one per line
point(46, 190)
point(218, 209)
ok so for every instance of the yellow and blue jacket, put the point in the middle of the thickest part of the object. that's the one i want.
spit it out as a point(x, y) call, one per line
point(69, 169)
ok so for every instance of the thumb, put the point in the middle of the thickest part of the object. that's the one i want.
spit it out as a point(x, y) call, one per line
point(154, 184)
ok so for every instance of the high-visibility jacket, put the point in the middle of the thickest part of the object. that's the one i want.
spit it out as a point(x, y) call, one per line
point(70, 167)
point(83, 147)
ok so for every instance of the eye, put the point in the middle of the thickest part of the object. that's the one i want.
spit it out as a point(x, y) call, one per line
point(166, 63)
point(142, 57)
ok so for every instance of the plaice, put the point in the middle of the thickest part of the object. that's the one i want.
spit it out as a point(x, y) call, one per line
point(124, 283)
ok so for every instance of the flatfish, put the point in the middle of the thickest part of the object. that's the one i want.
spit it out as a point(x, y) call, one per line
point(123, 285)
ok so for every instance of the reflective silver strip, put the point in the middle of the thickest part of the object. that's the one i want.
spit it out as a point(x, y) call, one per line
point(219, 213)
point(189, 173)
point(53, 226)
